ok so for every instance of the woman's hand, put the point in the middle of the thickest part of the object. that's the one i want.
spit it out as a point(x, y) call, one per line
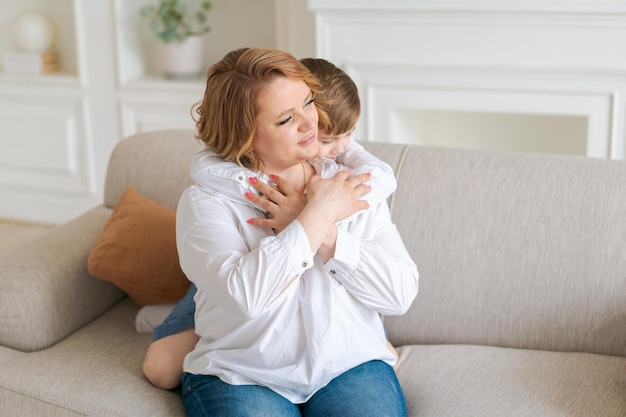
point(283, 203)
point(329, 201)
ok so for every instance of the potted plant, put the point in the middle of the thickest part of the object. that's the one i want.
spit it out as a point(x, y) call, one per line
point(180, 25)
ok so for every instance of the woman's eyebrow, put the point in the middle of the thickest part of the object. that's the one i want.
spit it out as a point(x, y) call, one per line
point(284, 113)
point(291, 109)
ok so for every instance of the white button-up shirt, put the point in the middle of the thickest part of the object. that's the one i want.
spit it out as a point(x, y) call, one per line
point(327, 320)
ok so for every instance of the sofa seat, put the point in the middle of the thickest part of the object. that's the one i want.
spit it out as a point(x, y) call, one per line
point(104, 360)
point(438, 380)
point(471, 380)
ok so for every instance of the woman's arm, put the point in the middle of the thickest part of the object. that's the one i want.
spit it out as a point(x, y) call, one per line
point(243, 268)
point(369, 259)
point(372, 263)
point(240, 265)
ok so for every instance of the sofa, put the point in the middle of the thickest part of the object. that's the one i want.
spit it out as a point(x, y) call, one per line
point(521, 309)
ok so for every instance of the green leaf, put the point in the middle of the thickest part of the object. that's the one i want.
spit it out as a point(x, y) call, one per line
point(172, 20)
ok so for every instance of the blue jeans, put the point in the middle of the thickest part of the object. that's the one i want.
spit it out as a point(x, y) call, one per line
point(181, 318)
point(370, 389)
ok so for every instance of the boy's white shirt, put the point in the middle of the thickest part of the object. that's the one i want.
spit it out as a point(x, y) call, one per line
point(359, 161)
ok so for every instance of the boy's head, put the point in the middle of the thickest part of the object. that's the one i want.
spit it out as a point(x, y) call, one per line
point(341, 103)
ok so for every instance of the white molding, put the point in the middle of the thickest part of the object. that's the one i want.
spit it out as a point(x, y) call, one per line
point(51, 155)
point(540, 40)
point(387, 90)
point(128, 42)
point(541, 6)
point(45, 171)
point(143, 116)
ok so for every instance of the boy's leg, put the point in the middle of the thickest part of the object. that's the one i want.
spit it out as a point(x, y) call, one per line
point(163, 365)
point(173, 339)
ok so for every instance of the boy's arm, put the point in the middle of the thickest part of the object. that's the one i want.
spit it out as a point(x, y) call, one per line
point(383, 180)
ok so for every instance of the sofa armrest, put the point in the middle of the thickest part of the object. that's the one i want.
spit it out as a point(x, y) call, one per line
point(46, 292)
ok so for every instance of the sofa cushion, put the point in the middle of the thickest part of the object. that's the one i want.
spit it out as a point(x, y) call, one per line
point(97, 371)
point(137, 251)
point(470, 380)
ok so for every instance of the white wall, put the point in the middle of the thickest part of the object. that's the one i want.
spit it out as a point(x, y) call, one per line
point(531, 75)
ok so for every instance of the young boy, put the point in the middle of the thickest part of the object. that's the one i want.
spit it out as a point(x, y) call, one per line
point(337, 151)
point(175, 337)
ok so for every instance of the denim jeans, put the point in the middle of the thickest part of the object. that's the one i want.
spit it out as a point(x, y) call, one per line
point(181, 318)
point(370, 389)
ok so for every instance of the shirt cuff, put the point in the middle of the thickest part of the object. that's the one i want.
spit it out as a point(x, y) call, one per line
point(347, 253)
point(296, 244)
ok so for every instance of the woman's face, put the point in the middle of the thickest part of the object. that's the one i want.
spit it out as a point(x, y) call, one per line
point(286, 124)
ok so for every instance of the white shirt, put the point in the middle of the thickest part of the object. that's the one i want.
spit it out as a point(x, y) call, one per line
point(356, 158)
point(326, 322)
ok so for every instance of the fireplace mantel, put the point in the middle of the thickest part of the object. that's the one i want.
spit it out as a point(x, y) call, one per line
point(539, 76)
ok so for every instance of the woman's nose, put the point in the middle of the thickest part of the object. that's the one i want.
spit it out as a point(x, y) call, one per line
point(308, 122)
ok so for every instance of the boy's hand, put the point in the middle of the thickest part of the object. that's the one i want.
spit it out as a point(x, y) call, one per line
point(282, 202)
point(329, 201)
point(339, 197)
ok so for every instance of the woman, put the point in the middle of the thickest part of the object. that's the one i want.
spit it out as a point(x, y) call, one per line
point(289, 322)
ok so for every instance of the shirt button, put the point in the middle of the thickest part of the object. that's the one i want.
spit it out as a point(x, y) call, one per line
point(332, 271)
point(304, 264)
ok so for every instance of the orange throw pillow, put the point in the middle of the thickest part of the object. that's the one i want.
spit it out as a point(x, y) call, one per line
point(137, 251)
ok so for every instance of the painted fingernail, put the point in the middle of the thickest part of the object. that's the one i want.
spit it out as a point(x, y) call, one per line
point(249, 195)
point(369, 174)
point(252, 180)
point(250, 221)
point(273, 176)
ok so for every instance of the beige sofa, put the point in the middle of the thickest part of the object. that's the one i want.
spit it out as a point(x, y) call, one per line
point(521, 310)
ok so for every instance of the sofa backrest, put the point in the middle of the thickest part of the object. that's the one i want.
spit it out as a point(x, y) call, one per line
point(514, 250)
point(155, 163)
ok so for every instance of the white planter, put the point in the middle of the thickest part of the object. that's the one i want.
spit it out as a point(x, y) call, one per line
point(184, 60)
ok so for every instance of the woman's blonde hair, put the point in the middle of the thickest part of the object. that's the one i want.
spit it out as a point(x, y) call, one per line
point(226, 116)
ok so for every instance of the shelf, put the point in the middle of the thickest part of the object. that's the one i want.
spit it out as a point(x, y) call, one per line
point(155, 83)
point(62, 14)
point(54, 79)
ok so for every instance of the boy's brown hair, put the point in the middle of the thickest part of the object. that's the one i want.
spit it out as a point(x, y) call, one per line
point(339, 99)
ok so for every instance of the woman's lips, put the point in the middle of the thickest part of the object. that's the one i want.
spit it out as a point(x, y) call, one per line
point(308, 140)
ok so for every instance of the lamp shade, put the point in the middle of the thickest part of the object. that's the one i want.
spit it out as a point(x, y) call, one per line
point(33, 31)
